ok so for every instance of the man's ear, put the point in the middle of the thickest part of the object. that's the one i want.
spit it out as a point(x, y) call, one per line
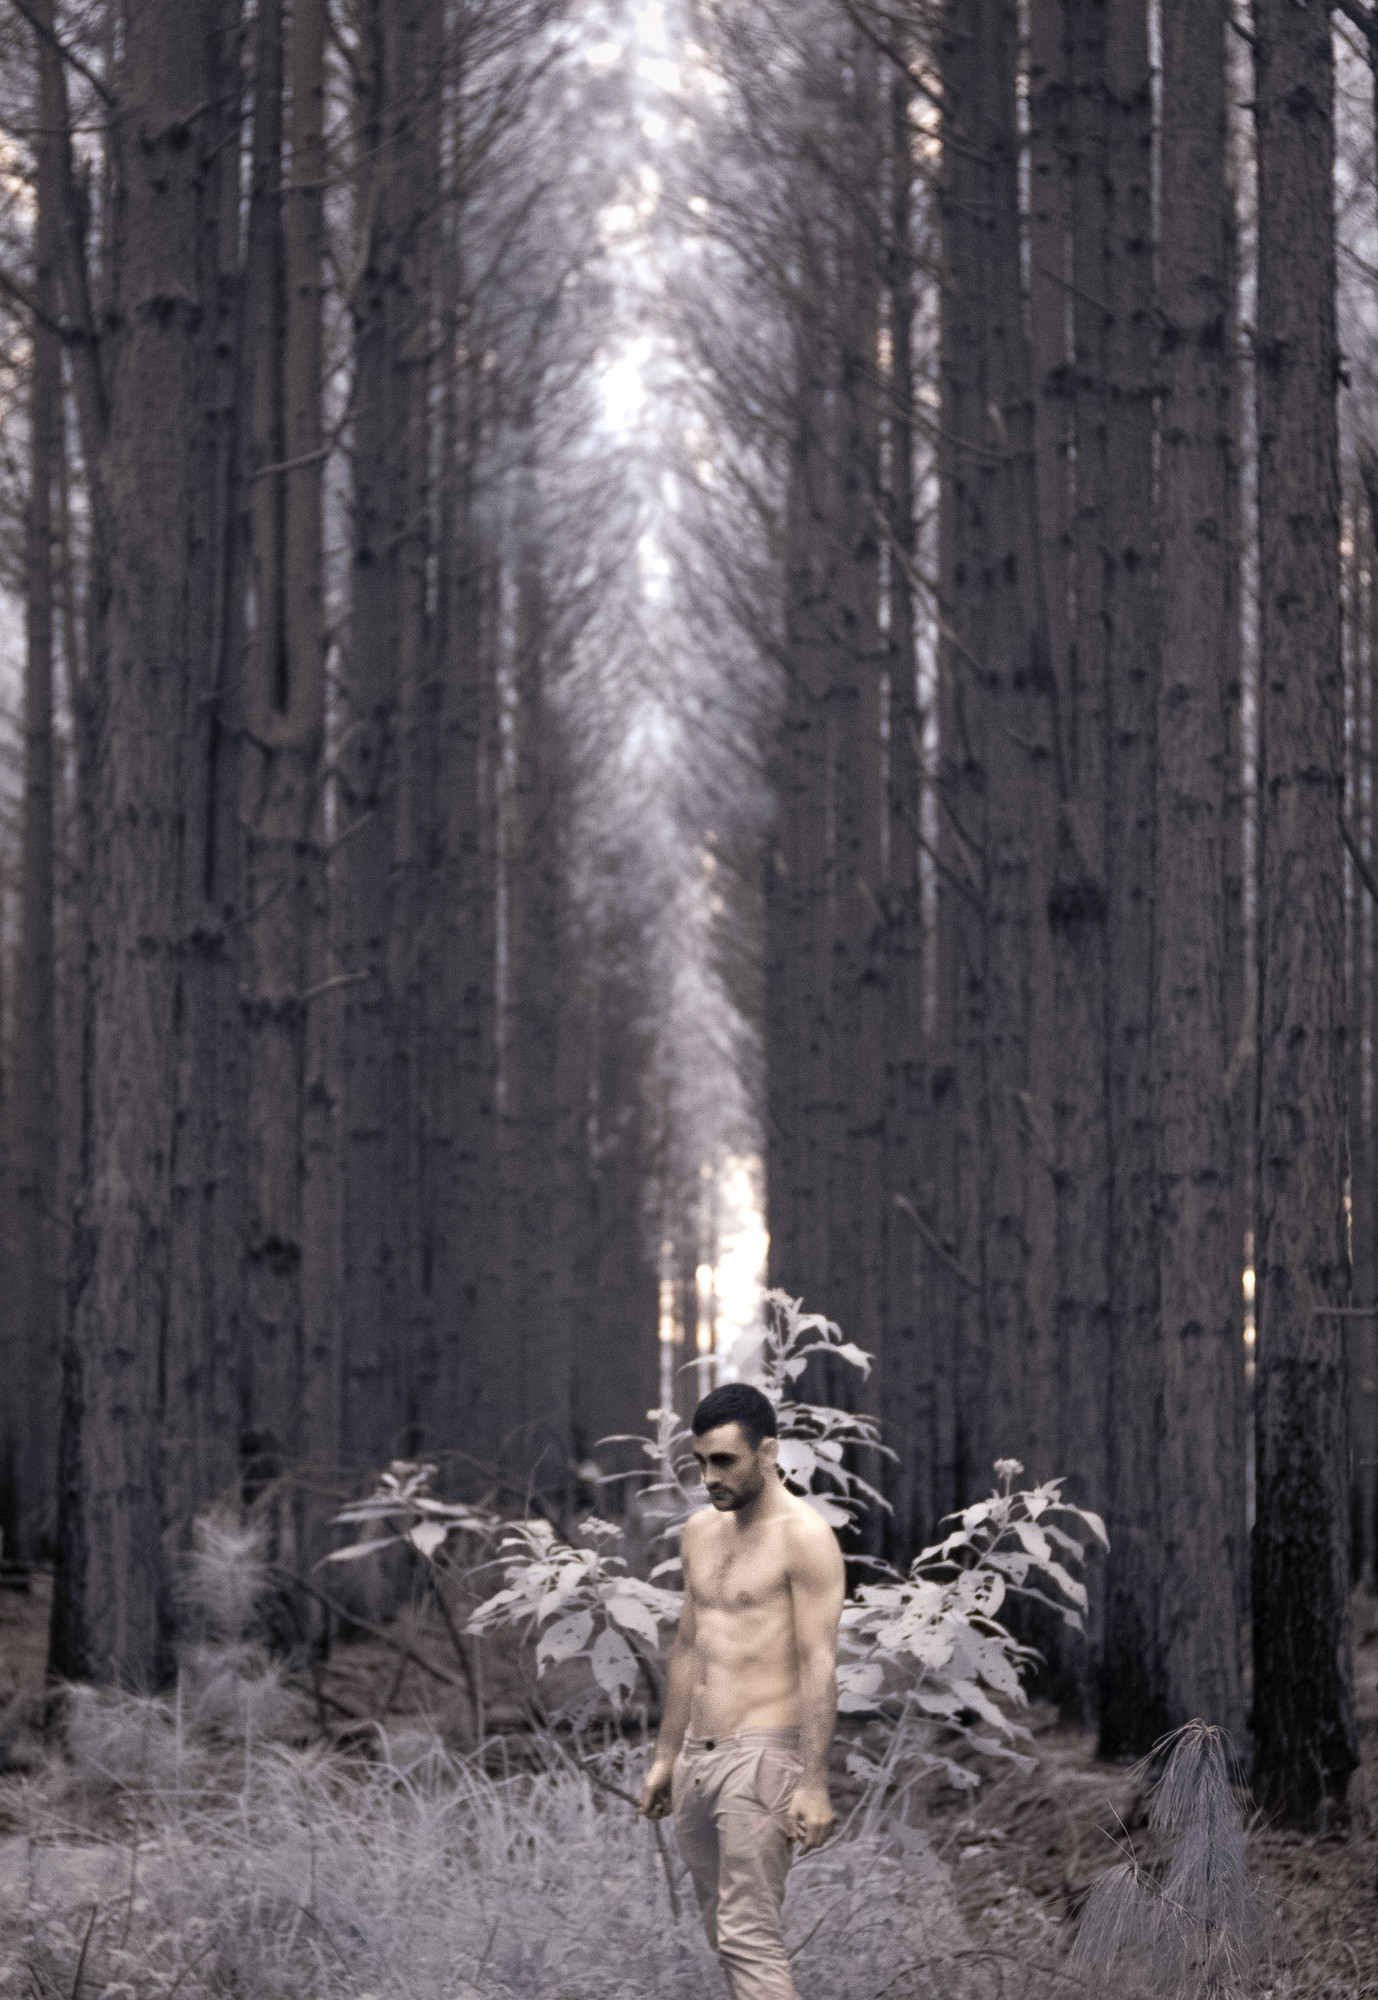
point(770, 1451)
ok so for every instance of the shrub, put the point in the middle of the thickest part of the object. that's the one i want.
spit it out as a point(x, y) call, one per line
point(926, 1651)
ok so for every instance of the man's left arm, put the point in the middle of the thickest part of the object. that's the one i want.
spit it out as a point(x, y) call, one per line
point(818, 1584)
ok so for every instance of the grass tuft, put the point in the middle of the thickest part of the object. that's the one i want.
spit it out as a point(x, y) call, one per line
point(1194, 1927)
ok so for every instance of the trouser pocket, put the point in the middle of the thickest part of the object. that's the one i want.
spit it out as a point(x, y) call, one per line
point(778, 1772)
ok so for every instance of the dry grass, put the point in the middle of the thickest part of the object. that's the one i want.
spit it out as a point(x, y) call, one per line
point(301, 1875)
point(184, 1855)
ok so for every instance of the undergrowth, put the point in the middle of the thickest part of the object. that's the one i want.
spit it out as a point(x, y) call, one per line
point(420, 1874)
point(203, 1847)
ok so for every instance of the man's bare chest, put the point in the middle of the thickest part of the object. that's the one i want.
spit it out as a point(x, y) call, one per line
point(740, 1579)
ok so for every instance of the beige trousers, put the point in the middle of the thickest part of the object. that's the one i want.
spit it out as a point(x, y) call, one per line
point(730, 1796)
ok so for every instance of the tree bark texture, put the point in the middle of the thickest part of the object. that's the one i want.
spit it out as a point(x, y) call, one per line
point(906, 1378)
point(37, 1241)
point(1132, 1704)
point(373, 1119)
point(206, 1282)
point(1304, 1728)
point(110, 1604)
point(537, 1340)
point(1065, 234)
point(953, 1270)
point(1203, 1606)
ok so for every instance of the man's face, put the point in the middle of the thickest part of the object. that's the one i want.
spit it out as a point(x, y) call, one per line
point(734, 1472)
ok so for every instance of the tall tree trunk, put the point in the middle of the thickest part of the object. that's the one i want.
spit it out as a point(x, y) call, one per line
point(954, 1265)
point(202, 1380)
point(615, 1383)
point(304, 635)
point(797, 1075)
point(1013, 686)
point(283, 708)
point(36, 1310)
point(1354, 574)
point(269, 803)
point(466, 989)
point(536, 1338)
point(1068, 1437)
point(1363, 1178)
point(368, 791)
point(414, 165)
point(1304, 1728)
point(856, 1177)
point(1077, 903)
point(906, 1373)
point(1202, 1482)
point(110, 1599)
point(1042, 247)
point(1133, 1712)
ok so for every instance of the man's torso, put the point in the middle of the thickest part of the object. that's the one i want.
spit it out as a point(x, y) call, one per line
point(745, 1655)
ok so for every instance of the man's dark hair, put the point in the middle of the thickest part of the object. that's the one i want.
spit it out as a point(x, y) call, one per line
point(737, 1403)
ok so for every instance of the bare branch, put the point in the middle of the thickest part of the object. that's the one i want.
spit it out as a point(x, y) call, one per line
point(68, 54)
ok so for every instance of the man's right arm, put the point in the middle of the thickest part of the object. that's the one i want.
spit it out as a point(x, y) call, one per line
point(674, 1720)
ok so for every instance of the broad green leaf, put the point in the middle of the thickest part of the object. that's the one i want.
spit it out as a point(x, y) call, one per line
point(614, 1665)
point(632, 1615)
point(563, 1640)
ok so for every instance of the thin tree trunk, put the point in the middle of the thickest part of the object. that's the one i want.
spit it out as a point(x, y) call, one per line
point(1078, 904)
point(1013, 681)
point(368, 790)
point(954, 1269)
point(856, 1177)
point(283, 706)
point(110, 1600)
point(304, 633)
point(535, 1336)
point(1305, 1745)
point(271, 807)
point(906, 1380)
point(468, 958)
point(36, 1310)
point(797, 1065)
point(1364, 1182)
point(1202, 1484)
point(203, 1419)
point(1133, 1712)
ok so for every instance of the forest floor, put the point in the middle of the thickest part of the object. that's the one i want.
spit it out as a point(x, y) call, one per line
point(1016, 1858)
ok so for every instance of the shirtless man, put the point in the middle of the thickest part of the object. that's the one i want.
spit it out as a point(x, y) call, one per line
point(751, 1693)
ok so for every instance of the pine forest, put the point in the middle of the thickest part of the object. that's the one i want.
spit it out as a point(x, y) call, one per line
point(688, 694)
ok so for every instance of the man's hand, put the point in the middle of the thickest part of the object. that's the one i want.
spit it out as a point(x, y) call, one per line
point(655, 1793)
point(810, 1817)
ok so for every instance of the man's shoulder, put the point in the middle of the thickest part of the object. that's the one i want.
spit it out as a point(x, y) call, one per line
point(697, 1527)
point(809, 1536)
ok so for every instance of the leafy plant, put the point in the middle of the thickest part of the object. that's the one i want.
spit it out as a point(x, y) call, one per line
point(815, 1438)
point(582, 1603)
point(926, 1651)
point(930, 1647)
point(403, 1497)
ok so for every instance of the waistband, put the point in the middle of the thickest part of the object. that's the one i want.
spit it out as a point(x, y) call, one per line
point(694, 1746)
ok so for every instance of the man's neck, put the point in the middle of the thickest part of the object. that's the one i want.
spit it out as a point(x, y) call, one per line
point(769, 1501)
